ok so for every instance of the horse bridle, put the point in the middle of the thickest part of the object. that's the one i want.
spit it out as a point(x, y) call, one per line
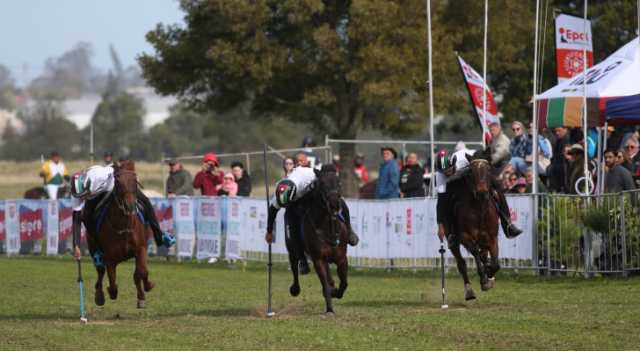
point(478, 161)
point(120, 203)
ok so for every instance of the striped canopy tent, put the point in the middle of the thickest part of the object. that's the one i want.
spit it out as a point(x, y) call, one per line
point(613, 94)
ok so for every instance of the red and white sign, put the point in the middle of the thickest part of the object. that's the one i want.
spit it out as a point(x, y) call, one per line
point(573, 35)
point(477, 87)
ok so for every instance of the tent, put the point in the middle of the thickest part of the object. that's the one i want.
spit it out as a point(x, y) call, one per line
point(613, 93)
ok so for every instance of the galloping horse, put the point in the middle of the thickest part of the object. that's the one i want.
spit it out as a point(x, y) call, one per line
point(325, 235)
point(475, 224)
point(122, 235)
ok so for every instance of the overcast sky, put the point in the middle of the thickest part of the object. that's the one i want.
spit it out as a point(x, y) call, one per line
point(33, 30)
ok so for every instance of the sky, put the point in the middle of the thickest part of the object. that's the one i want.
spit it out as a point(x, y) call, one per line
point(33, 30)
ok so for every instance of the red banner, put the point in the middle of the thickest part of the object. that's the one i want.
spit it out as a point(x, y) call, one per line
point(573, 36)
point(31, 224)
point(477, 89)
point(3, 233)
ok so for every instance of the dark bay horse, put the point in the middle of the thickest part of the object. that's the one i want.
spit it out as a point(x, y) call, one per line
point(122, 236)
point(475, 224)
point(325, 235)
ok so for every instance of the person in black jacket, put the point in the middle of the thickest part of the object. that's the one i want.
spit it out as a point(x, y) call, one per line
point(558, 170)
point(412, 178)
point(242, 178)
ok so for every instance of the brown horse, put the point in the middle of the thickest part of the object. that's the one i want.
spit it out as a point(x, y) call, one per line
point(122, 236)
point(325, 235)
point(475, 224)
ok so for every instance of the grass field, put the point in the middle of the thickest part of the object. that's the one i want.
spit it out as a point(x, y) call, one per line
point(212, 307)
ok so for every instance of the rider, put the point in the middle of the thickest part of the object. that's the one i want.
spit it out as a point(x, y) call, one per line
point(289, 191)
point(458, 167)
point(87, 187)
point(55, 174)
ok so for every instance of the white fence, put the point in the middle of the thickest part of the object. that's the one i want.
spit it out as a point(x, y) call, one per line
point(393, 233)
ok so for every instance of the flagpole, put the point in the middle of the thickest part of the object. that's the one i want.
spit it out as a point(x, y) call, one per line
point(584, 105)
point(484, 75)
point(430, 83)
point(534, 132)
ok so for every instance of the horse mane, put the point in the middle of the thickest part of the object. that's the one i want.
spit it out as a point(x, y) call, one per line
point(482, 154)
point(125, 165)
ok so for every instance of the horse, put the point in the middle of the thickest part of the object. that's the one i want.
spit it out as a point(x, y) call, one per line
point(40, 193)
point(325, 235)
point(122, 235)
point(475, 224)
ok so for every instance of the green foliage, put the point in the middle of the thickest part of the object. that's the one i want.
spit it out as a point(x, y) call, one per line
point(118, 123)
point(596, 218)
point(46, 129)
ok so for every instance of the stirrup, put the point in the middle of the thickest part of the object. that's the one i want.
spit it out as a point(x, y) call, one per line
point(168, 240)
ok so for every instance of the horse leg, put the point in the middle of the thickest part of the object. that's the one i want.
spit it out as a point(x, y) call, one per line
point(113, 287)
point(495, 263)
point(332, 283)
point(321, 270)
point(343, 268)
point(140, 276)
point(294, 289)
point(99, 298)
point(462, 268)
point(480, 267)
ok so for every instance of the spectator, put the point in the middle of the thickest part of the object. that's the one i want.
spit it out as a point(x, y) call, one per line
point(518, 147)
point(179, 181)
point(412, 177)
point(499, 147)
point(617, 178)
point(242, 178)
point(545, 152)
point(55, 174)
point(576, 155)
point(511, 183)
point(632, 156)
point(312, 157)
point(209, 179)
point(387, 186)
point(336, 163)
point(521, 186)
point(541, 187)
point(229, 186)
point(557, 171)
point(302, 160)
point(360, 169)
point(107, 158)
point(619, 157)
point(287, 165)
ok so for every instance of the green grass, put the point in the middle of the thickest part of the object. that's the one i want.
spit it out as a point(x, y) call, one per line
point(211, 307)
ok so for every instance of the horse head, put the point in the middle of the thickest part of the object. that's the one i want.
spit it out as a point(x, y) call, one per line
point(126, 185)
point(329, 187)
point(480, 166)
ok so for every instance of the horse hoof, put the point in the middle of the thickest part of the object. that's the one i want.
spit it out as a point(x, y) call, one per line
point(113, 293)
point(294, 290)
point(99, 298)
point(468, 292)
point(148, 286)
point(337, 293)
point(329, 314)
point(490, 284)
point(140, 303)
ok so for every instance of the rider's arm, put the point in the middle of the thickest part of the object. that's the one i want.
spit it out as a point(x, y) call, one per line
point(271, 218)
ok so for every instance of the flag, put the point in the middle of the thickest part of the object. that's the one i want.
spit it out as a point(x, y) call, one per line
point(476, 87)
point(571, 40)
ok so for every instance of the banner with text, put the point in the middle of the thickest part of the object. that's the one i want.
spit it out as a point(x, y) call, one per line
point(573, 36)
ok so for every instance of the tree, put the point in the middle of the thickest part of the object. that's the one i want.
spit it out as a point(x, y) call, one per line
point(46, 130)
point(7, 89)
point(67, 76)
point(118, 122)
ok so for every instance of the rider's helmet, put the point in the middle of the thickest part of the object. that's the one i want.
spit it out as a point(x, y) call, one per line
point(80, 185)
point(444, 164)
point(285, 192)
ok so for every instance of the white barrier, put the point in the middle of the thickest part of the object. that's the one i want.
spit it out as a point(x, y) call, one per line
point(392, 232)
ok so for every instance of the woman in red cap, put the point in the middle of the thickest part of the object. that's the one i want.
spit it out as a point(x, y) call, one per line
point(209, 179)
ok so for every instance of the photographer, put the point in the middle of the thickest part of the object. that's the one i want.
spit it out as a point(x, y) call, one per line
point(209, 179)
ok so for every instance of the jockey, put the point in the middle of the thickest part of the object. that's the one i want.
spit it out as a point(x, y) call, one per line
point(459, 167)
point(443, 171)
point(87, 187)
point(55, 174)
point(289, 191)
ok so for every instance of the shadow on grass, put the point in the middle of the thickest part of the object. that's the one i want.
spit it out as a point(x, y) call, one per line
point(385, 303)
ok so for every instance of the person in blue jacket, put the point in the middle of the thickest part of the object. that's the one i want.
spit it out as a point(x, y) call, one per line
point(388, 186)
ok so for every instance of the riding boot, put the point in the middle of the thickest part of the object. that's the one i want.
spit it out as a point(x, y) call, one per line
point(76, 229)
point(510, 230)
point(353, 237)
point(161, 238)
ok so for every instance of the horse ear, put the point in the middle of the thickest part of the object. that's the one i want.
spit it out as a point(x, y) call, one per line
point(317, 172)
point(469, 157)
